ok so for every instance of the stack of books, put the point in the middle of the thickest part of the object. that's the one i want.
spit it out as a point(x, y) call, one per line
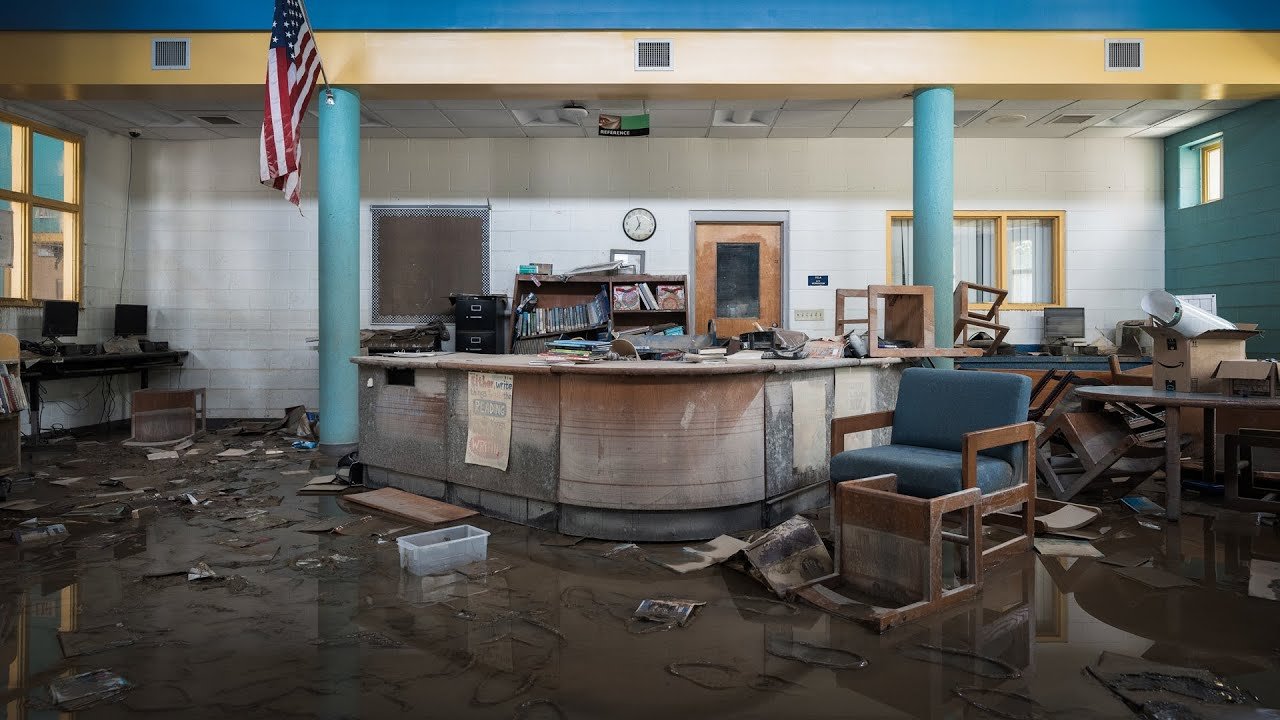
point(576, 351)
point(12, 397)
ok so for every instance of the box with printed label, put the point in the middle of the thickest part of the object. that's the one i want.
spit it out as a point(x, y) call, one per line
point(1184, 364)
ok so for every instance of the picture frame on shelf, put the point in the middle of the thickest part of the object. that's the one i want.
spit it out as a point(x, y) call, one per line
point(632, 261)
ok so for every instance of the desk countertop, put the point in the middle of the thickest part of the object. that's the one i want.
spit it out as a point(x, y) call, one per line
point(525, 364)
point(1165, 398)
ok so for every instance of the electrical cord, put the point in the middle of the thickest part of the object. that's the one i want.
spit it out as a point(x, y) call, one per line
point(128, 206)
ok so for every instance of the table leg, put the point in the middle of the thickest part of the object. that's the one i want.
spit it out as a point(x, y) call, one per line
point(1210, 473)
point(1172, 464)
point(144, 378)
point(33, 410)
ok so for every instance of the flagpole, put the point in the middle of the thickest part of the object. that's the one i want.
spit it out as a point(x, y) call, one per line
point(328, 91)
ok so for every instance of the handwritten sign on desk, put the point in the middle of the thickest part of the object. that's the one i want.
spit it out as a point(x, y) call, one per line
point(489, 419)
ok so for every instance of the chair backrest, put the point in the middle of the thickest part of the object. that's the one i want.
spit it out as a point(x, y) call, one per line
point(937, 407)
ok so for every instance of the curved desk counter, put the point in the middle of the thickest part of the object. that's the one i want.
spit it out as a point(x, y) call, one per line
point(656, 451)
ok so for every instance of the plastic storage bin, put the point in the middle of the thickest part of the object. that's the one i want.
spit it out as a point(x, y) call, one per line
point(445, 549)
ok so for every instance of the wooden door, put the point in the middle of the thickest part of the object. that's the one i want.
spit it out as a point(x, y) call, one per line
point(738, 276)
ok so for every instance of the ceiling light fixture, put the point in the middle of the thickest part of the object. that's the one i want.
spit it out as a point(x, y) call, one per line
point(1007, 119)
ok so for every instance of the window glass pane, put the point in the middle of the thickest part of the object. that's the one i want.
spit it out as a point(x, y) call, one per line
point(901, 248)
point(8, 172)
point(975, 252)
point(52, 234)
point(738, 280)
point(1030, 259)
point(49, 177)
point(1213, 173)
point(9, 217)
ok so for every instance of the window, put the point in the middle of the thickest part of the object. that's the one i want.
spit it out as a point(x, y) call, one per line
point(1021, 252)
point(1211, 171)
point(40, 212)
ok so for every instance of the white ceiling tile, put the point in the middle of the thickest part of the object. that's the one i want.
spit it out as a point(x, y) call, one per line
point(96, 118)
point(477, 132)
point(379, 132)
point(967, 105)
point(1194, 117)
point(481, 118)
point(618, 107)
point(1044, 107)
point(1103, 132)
point(413, 118)
point(1155, 132)
point(534, 104)
point(900, 104)
point(468, 104)
point(448, 132)
point(748, 104)
point(553, 131)
point(679, 104)
point(809, 118)
point(1168, 105)
point(677, 132)
point(1097, 106)
point(189, 107)
point(738, 132)
point(185, 133)
point(1032, 131)
point(845, 105)
point(393, 104)
point(139, 114)
point(1139, 117)
point(757, 118)
point(875, 118)
point(901, 133)
point(238, 131)
point(862, 132)
point(800, 132)
point(679, 118)
point(1226, 104)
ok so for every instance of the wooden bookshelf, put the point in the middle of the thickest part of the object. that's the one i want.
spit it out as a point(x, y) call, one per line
point(552, 292)
point(10, 432)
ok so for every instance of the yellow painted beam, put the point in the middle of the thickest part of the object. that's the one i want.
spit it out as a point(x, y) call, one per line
point(590, 64)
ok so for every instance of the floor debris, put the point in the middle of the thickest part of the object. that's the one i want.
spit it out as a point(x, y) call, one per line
point(820, 655)
point(962, 659)
point(94, 640)
point(1063, 547)
point(987, 699)
point(668, 612)
point(1138, 682)
point(1154, 577)
point(1126, 558)
point(1142, 505)
point(409, 506)
point(790, 555)
point(80, 692)
point(700, 557)
point(200, 571)
point(1264, 579)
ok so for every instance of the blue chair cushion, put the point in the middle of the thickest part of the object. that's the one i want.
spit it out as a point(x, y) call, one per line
point(922, 472)
point(937, 407)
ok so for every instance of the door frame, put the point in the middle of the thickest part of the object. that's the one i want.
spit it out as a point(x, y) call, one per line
point(770, 217)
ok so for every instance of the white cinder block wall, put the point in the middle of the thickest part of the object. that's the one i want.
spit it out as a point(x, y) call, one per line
point(229, 269)
point(73, 403)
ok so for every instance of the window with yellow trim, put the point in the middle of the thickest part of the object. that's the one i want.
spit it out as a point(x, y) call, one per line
point(1020, 251)
point(1211, 172)
point(40, 211)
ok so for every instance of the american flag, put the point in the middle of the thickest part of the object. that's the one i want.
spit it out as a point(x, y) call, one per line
point(292, 64)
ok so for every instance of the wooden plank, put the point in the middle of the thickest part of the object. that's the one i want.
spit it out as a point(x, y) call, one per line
point(410, 507)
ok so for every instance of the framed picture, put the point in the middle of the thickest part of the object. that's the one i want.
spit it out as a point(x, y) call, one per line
point(632, 260)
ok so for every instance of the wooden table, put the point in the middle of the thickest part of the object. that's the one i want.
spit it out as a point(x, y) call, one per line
point(1173, 402)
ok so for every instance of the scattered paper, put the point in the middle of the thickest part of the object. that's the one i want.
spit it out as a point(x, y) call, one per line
point(294, 472)
point(23, 505)
point(235, 452)
point(1126, 558)
point(1142, 505)
point(1066, 547)
point(704, 556)
point(200, 571)
point(163, 455)
point(1069, 517)
point(274, 452)
point(1264, 579)
point(66, 482)
point(86, 689)
point(195, 451)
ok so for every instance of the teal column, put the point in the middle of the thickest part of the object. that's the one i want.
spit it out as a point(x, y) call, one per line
point(338, 165)
point(932, 201)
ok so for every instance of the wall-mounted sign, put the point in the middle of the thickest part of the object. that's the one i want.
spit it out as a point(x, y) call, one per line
point(624, 125)
point(817, 281)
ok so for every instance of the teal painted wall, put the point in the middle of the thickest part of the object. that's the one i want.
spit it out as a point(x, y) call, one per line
point(1230, 247)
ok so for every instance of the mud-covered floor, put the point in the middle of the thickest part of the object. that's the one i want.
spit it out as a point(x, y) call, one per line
point(325, 625)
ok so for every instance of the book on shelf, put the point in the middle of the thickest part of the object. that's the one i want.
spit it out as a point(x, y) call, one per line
point(573, 318)
point(12, 396)
point(670, 297)
point(646, 297)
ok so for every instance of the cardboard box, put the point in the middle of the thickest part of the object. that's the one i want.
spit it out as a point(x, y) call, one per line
point(1248, 378)
point(1187, 364)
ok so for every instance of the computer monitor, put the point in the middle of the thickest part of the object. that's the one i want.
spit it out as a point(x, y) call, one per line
point(1060, 323)
point(131, 320)
point(61, 319)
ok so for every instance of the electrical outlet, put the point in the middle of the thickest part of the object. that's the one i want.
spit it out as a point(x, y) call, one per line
point(803, 315)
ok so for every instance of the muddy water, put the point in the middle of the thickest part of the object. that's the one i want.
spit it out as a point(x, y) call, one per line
point(326, 626)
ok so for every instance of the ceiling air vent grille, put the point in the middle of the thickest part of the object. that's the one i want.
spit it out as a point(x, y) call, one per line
point(653, 55)
point(170, 54)
point(1071, 120)
point(1124, 55)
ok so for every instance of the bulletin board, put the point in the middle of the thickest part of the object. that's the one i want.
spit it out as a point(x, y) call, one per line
point(421, 254)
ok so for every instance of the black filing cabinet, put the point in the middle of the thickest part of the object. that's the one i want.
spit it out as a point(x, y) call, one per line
point(478, 323)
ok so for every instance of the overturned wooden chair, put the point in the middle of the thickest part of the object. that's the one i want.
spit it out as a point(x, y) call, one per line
point(967, 316)
point(1100, 446)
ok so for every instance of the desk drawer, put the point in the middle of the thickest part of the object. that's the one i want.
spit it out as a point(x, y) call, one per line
point(478, 342)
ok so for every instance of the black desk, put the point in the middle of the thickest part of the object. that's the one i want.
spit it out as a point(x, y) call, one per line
point(36, 370)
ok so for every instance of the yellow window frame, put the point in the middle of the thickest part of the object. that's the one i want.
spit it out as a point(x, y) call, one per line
point(1002, 218)
point(1205, 151)
point(25, 201)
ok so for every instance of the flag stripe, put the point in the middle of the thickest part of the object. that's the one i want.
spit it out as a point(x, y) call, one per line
point(293, 63)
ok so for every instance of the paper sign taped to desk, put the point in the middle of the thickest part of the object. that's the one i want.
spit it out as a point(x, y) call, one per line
point(489, 419)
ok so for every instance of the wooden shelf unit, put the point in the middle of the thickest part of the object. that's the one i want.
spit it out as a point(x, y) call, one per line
point(10, 430)
point(579, 289)
point(907, 315)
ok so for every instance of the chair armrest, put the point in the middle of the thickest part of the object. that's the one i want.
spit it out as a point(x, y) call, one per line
point(842, 426)
point(979, 440)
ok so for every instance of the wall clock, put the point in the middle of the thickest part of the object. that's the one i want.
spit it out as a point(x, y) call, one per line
point(639, 224)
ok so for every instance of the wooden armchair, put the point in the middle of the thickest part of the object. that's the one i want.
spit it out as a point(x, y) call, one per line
point(953, 431)
point(989, 319)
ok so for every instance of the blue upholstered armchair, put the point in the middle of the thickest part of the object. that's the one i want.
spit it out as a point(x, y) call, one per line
point(952, 431)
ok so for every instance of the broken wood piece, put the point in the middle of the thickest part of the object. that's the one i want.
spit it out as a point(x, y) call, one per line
point(235, 452)
point(410, 506)
point(1064, 547)
point(163, 455)
point(1126, 558)
point(1069, 517)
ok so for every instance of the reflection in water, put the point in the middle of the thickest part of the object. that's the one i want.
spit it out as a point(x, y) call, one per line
point(542, 631)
